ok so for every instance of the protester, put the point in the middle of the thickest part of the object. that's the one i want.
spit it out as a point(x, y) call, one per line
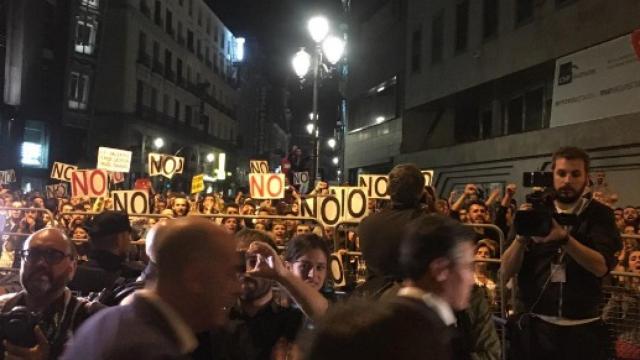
point(48, 264)
point(196, 282)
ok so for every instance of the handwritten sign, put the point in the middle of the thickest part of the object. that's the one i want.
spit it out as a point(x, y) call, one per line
point(115, 160)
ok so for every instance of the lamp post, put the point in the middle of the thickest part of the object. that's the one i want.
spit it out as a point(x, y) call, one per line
point(331, 47)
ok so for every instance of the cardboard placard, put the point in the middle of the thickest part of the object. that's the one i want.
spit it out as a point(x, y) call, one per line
point(346, 203)
point(7, 176)
point(300, 178)
point(428, 177)
point(259, 167)
point(57, 191)
point(62, 171)
point(197, 184)
point(165, 165)
point(375, 185)
point(116, 177)
point(133, 202)
point(266, 186)
point(91, 183)
point(115, 160)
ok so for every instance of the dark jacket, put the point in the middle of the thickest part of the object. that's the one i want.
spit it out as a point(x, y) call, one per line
point(582, 293)
point(134, 331)
point(104, 270)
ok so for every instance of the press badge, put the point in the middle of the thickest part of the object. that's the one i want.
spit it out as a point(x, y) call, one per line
point(558, 273)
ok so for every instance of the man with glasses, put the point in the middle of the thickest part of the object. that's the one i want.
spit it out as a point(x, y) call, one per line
point(48, 264)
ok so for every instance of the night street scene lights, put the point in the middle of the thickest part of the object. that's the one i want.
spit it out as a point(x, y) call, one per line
point(326, 46)
point(158, 143)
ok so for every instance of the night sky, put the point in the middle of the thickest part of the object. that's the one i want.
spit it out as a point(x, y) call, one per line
point(280, 28)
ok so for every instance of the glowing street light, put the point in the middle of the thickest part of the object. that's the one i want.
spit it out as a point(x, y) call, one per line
point(158, 143)
point(210, 157)
point(318, 27)
point(335, 160)
point(301, 63)
point(332, 143)
point(310, 128)
point(333, 48)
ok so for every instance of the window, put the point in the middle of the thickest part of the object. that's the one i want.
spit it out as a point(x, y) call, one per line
point(462, 25)
point(486, 124)
point(35, 147)
point(489, 19)
point(199, 16)
point(437, 37)
point(189, 73)
point(154, 99)
point(215, 38)
point(168, 22)
point(165, 104)
point(142, 45)
point(515, 109)
point(78, 91)
point(158, 13)
point(190, 40)
point(85, 35)
point(198, 48)
point(176, 110)
point(179, 69)
point(208, 26)
point(533, 105)
point(377, 105)
point(416, 50)
point(524, 11)
point(91, 3)
point(140, 94)
point(191, 8)
point(561, 3)
point(156, 52)
point(168, 62)
point(187, 114)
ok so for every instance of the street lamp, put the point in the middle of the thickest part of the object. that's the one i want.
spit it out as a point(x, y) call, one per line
point(210, 157)
point(158, 143)
point(332, 143)
point(335, 160)
point(332, 47)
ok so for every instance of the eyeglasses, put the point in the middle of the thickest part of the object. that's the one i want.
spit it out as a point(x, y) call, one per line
point(50, 256)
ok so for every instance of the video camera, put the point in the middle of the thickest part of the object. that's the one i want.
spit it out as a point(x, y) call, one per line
point(17, 327)
point(539, 220)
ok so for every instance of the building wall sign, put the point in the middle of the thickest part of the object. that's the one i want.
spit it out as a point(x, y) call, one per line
point(596, 83)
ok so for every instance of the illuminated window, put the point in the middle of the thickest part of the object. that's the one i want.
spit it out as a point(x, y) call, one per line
point(78, 91)
point(35, 147)
point(86, 35)
point(91, 3)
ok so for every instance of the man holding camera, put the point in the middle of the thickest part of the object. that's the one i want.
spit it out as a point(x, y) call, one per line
point(48, 264)
point(559, 275)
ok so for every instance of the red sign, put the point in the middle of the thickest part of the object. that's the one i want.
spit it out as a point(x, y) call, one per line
point(91, 183)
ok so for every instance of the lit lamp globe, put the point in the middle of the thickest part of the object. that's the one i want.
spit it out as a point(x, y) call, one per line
point(318, 27)
point(158, 143)
point(301, 63)
point(333, 48)
point(331, 143)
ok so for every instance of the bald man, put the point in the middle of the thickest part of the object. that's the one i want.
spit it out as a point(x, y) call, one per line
point(48, 264)
point(196, 283)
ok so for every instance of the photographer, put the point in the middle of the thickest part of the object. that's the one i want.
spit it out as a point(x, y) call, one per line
point(48, 264)
point(559, 275)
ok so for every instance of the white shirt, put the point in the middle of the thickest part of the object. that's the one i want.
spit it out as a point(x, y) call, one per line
point(186, 338)
point(433, 301)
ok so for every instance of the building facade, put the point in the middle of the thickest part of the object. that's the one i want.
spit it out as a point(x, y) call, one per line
point(127, 73)
point(487, 96)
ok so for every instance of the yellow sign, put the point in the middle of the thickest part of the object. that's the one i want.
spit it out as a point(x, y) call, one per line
point(197, 184)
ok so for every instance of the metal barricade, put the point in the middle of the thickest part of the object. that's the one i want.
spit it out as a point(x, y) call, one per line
point(621, 310)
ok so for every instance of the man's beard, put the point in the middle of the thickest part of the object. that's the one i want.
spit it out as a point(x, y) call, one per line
point(253, 289)
point(568, 195)
point(39, 283)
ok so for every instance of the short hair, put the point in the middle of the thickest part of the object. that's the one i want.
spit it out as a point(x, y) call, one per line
point(430, 237)
point(231, 205)
point(406, 184)
point(367, 329)
point(571, 153)
point(477, 202)
point(246, 236)
point(302, 244)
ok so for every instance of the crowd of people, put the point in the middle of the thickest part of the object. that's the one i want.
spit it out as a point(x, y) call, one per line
point(219, 286)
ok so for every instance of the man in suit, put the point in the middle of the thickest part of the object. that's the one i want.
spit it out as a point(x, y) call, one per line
point(437, 258)
point(196, 283)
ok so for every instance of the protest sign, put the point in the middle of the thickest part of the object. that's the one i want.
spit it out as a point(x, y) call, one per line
point(266, 186)
point(91, 183)
point(258, 167)
point(133, 202)
point(62, 171)
point(57, 191)
point(165, 165)
point(197, 184)
point(115, 160)
point(345, 203)
point(116, 177)
point(375, 185)
point(428, 177)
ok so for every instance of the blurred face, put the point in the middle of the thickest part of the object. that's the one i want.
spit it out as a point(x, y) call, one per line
point(463, 215)
point(329, 232)
point(67, 209)
point(303, 229)
point(477, 214)
point(311, 268)
point(75, 201)
point(16, 214)
point(232, 210)
point(38, 202)
point(32, 213)
point(458, 278)
point(231, 224)
point(79, 233)
point(634, 262)
point(294, 208)
point(569, 179)
point(630, 215)
point(180, 206)
point(47, 267)
point(618, 214)
point(629, 230)
point(483, 252)
point(261, 227)
point(247, 209)
point(253, 288)
point(208, 202)
point(160, 205)
point(46, 218)
point(262, 221)
point(279, 231)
